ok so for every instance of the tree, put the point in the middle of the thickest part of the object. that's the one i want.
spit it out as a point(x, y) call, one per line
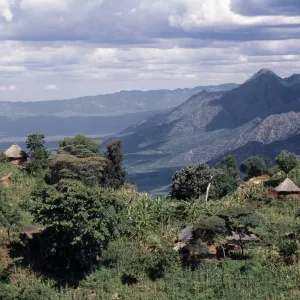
point(79, 222)
point(80, 146)
point(254, 166)
point(191, 182)
point(197, 182)
point(114, 173)
point(88, 170)
point(10, 216)
point(35, 141)
point(37, 151)
point(286, 161)
point(222, 184)
point(230, 166)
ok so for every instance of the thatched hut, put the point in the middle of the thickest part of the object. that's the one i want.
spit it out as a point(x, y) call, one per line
point(288, 189)
point(16, 155)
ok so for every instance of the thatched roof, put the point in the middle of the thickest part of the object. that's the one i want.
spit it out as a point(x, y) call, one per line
point(15, 152)
point(244, 237)
point(287, 186)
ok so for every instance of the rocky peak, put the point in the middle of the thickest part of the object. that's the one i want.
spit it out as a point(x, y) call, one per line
point(263, 73)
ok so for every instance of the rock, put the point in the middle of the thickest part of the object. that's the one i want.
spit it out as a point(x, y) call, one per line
point(186, 234)
point(179, 246)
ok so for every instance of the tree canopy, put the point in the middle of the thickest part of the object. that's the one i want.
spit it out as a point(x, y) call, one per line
point(254, 166)
point(38, 153)
point(230, 166)
point(192, 183)
point(79, 222)
point(287, 161)
point(80, 146)
point(114, 172)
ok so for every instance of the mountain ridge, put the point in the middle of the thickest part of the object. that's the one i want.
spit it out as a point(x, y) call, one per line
point(265, 109)
point(119, 103)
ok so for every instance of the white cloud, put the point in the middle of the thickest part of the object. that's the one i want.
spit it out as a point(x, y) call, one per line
point(34, 6)
point(199, 14)
point(5, 9)
point(51, 87)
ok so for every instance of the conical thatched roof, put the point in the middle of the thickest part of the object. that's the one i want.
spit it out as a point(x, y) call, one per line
point(15, 152)
point(288, 186)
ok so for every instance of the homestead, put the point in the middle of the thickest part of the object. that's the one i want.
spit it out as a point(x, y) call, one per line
point(288, 189)
point(15, 155)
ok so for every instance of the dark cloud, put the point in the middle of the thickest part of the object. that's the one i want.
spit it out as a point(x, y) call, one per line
point(266, 7)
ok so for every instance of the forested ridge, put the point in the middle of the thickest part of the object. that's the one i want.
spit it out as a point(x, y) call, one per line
point(72, 227)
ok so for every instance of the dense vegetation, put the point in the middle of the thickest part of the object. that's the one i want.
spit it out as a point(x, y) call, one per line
point(96, 237)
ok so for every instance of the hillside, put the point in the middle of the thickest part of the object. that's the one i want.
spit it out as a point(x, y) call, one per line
point(264, 109)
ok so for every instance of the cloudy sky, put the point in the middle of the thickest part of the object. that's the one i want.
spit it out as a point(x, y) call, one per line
point(55, 49)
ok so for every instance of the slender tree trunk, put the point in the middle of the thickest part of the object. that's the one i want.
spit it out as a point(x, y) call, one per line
point(208, 188)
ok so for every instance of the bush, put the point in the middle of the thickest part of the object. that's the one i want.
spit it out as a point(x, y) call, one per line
point(288, 250)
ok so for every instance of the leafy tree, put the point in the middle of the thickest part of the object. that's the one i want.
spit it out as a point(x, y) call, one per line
point(10, 216)
point(114, 173)
point(78, 158)
point(287, 161)
point(254, 166)
point(38, 153)
point(230, 166)
point(35, 141)
point(222, 185)
point(80, 146)
point(79, 222)
point(88, 170)
point(191, 182)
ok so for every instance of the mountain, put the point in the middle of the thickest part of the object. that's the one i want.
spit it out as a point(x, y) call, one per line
point(59, 126)
point(120, 103)
point(262, 111)
point(262, 95)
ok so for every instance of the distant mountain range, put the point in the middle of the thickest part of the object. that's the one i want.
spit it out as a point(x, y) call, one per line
point(260, 116)
point(100, 115)
point(124, 102)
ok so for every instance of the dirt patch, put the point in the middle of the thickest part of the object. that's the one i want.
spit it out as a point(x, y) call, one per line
point(5, 180)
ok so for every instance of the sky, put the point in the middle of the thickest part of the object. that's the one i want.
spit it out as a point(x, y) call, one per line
point(59, 49)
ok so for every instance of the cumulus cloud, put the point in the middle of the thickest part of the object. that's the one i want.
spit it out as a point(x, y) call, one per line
point(51, 87)
point(212, 13)
point(5, 9)
point(109, 45)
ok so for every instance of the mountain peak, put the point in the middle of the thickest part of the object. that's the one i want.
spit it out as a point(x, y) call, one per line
point(263, 73)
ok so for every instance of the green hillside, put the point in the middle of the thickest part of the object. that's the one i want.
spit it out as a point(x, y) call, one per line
point(72, 228)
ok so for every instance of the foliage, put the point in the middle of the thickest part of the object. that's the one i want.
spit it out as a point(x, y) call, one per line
point(286, 161)
point(120, 243)
point(89, 170)
point(289, 250)
point(10, 217)
point(222, 184)
point(254, 166)
point(38, 153)
point(190, 182)
point(35, 141)
point(79, 222)
point(115, 173)
point(3, 158)
point(230, 166)
point(80, 146)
